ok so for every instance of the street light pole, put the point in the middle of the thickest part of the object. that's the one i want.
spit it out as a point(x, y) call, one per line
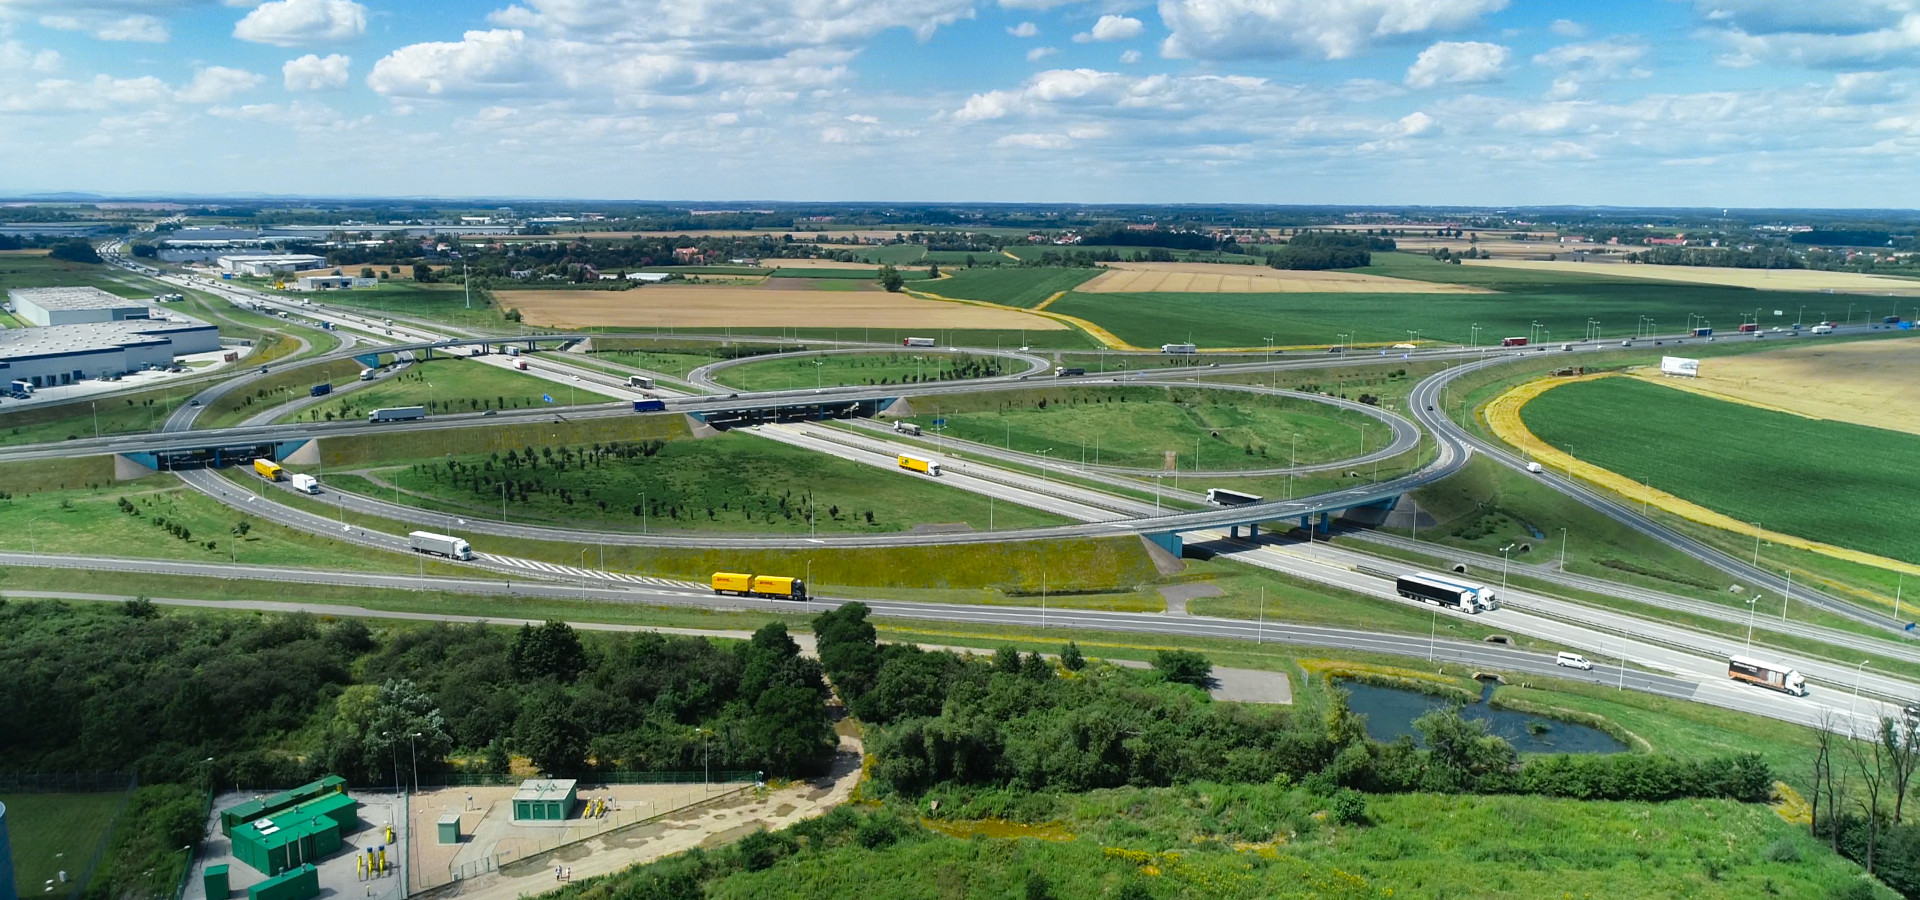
point(1752, 604)
point(1851, 707)
point(1563, 551)
point(413, 760)
point(1503, 567)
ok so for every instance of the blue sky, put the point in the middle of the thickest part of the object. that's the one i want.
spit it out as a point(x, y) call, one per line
point(1484, 102)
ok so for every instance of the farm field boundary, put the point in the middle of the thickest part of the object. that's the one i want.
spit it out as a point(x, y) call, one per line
point(1102, 335)
point(1758, 279)
point(1503, 417)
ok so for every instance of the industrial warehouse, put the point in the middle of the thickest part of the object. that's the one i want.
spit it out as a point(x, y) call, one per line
point(85, 332)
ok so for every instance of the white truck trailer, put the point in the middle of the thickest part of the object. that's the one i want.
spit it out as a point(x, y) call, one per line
point(306, 484)
point(397, 414)
point(439, 545)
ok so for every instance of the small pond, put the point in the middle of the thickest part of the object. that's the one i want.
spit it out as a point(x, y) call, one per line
point(1390, 713)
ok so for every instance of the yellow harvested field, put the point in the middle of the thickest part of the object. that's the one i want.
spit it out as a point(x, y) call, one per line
point(748, 307)
point(1864, 382)
point(1759, 279)
point(1227, 278)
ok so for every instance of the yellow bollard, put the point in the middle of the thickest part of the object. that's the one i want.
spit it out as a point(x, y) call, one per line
point(383, 859)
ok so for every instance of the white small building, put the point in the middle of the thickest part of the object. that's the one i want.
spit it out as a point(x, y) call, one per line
point(266, 265)
point(648, 277)
point(332, 282)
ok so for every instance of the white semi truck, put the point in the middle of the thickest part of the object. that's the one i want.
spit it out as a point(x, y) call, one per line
point(439, 545)
point(397, 414)
point(306, 484)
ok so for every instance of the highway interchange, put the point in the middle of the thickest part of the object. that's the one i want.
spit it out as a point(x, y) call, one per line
point(1646, 655)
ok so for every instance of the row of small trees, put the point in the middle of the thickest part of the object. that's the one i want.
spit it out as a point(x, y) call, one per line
point(1861, 784)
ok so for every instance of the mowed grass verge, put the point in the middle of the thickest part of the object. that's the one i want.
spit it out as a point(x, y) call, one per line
point(1828, 481)
point(888, 367)
point(1015, 286)
point(1137, 426)
point(451, 385)
point(729, 482)
point(52, 833)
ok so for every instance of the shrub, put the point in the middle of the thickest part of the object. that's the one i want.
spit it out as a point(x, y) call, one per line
point(1184, 667)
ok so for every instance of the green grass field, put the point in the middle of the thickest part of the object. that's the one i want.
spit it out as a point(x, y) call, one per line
point(1036, 251)
point(1137, 426)
point(1012, 286)
point(675, 364)
point(445, 303)
point(20, 270)
point(276, 388)
point(452, 385)
point(89, 520)
point(1559, 303)
point(892, 254)
point(124, 414)
point(1005, 339)
point(1829, 481)
point(730, 482)
point(55, 832)
point(889, 367)
point(866, 275)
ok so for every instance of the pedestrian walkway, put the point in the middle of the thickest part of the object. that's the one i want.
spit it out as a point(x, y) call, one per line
point(546, 568)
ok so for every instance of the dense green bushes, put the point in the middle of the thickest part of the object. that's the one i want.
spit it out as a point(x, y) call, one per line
point(279, 699)
point(942, 721)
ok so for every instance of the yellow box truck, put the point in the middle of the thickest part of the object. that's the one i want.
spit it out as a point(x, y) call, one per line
point(917, 464)
point(779, 587)
point(776, 586)
point(269, 469)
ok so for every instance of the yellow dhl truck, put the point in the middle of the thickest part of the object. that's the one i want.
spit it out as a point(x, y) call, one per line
point(776, 586)
point(269, 469)
point(917, 464)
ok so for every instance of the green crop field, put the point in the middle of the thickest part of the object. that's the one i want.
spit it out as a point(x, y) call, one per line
point(1137, 426)
point(452, 385)
point(1561, 305)
point(1013, 286)
point(886, 367)
point(730, 482)
point(1828, 481)
point(1006, 338)
point(1036, 251)
point(892, 254)
point(849, 274)
point(55, 832)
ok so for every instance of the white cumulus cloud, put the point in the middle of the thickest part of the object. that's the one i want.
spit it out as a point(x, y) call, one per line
point(1023, 30)
point(216, 83)
point(316, 73)
point(291, 23)
point(1568, 28)
point(1581, 65)
point(1130, 57)
point(480, 63)
point(1457, 62)
point(1034, 142)
point(1112, 28)
point(138, 27)
point(1039, 53)
point(1326, 29)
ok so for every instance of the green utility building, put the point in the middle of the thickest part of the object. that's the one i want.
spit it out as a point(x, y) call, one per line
point(236, 816)
point(295, 884)
point(543, 800)
point(302, 834)
point(214, 879)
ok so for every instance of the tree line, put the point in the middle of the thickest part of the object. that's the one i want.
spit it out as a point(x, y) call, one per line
point(277, 700)
point(1328, 250)
point(942, 721)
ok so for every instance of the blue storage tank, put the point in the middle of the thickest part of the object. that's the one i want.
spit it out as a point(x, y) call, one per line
point(6, 859)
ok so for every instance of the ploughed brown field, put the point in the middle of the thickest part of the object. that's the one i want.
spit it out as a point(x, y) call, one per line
point(671, 306)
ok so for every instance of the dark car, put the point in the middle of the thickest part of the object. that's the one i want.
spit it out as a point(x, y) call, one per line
point(1429, 407)
point(193, 403)
point(491, 412)
point(1912, 710)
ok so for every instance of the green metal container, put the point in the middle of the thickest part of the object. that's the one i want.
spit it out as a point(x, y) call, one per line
point(450, 828)
point(215, 880)
point(294, 884)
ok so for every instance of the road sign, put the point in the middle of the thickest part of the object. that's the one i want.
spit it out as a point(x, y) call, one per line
point(939, 423)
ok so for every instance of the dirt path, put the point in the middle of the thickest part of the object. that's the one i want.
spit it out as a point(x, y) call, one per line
point(722, 823)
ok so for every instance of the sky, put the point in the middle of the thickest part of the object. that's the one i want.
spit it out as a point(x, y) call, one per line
point(1736, 103)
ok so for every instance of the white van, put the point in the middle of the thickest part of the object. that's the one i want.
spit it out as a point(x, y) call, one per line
point(1535, 468)
point(1571, 660)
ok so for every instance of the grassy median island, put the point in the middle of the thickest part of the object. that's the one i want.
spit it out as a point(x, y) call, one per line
point(1828, 481)
point(451, 385)
point(1138, 426)
point(887, 367)
point(729, 482)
